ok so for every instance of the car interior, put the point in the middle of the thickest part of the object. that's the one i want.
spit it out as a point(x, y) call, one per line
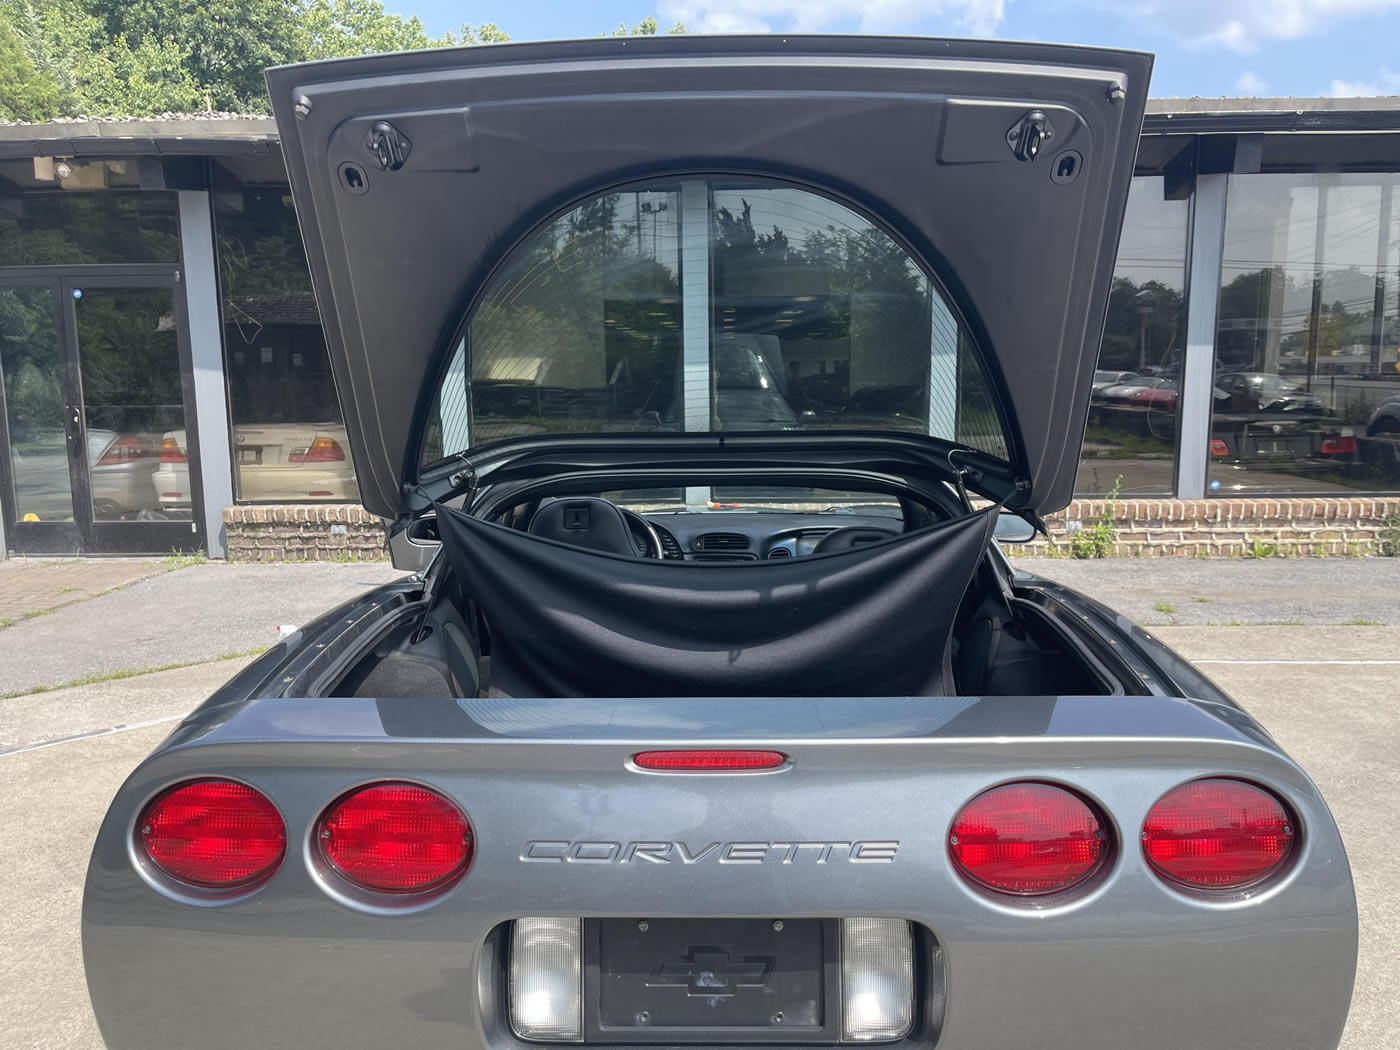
point(723, 591)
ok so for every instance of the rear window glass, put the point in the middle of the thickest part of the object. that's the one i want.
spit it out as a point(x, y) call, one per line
point(708, 305)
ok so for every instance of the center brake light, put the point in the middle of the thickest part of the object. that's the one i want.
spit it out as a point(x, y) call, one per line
point(1028, 839)
point(396, 837)
point(708, 760)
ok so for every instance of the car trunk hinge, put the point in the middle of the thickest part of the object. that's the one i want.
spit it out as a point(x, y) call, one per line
point(465, 480)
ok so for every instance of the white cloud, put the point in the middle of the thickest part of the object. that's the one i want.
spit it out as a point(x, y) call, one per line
point(1252, 84)
point(1243, 25)
point(977, 17)
point(1386, 83)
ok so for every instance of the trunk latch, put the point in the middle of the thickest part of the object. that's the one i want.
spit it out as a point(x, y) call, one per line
point(388, 146)
point(1029, 134)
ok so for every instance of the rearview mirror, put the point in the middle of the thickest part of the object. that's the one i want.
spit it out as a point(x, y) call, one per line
point(1012, 528)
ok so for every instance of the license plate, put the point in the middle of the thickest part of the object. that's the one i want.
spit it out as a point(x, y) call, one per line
point(250, 455)
point(711, 980)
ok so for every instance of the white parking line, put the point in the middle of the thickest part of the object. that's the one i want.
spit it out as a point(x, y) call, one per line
point(40, 745)
point(1309, 663)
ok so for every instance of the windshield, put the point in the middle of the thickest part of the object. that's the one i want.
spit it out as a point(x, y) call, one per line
point(703, 305)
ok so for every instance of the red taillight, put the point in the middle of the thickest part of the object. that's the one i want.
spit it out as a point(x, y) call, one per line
point(125, 449)
point(396, 838)
point(708, 761)
point(171, 452)
point(1218, 835)
point(214, 833)
point(1028, 839)
point(1338, 446)
point(321, 450)
point(1218, 447)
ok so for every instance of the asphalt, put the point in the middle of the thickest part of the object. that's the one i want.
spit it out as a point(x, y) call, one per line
point(1327, 693)
point(194, 613)
point(1230, 592)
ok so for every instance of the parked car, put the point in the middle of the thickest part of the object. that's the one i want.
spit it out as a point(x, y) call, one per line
point(1104, 379)
point(1263, 392)
point(880, 788)
point(121, 468)
point(1386, 418)
point(273, 461)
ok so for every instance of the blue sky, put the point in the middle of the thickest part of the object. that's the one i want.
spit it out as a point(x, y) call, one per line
point(1203, 47)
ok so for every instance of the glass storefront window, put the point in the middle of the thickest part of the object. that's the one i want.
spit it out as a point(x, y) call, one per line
point(67, 227)
point(288, 435)
point(1133, 408)
point(31, 373)
point(1307, 392)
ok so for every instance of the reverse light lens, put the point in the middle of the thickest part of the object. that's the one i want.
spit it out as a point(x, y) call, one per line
point(877, 979)
point(1218, 834)
point(213, 833)
point(546, 979)
point(708, 761)
point(1028, 839)
point(396, 838)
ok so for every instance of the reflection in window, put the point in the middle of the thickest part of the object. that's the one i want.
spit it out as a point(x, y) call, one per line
point(1133, 407)
point(133, 403)
point(701, 306)
point(289, 442)
point(1307, 395)
point(56, 226)
point(32, 376)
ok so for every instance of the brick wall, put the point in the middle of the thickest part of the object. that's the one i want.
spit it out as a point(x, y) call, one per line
point(1342, 526)
point(1335, 527)
point(304, 532)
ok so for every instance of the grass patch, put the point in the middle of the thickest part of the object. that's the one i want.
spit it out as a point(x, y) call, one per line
point(177, 560)
point(1362, 621)
point(31, 613)
point(66, 590)
point(1165, 607)
point(1285, 623)
point(131, 672)
point(7, 621)
point(1198, 598)
point(1100, 539)
point(1388, 539)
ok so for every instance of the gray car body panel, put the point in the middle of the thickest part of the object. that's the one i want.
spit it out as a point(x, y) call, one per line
point(912, 132)
point(305, 961)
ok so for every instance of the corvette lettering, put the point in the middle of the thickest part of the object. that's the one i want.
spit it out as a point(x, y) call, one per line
point(604, 851)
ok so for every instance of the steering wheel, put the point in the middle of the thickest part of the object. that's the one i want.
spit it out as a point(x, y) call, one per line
point(652, 535)
point(851, 536)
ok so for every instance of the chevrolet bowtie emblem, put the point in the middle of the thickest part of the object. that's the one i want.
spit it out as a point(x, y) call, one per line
point(713, 971)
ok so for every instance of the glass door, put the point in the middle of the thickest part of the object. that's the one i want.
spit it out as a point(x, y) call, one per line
point(36, 485)
point(96, 405)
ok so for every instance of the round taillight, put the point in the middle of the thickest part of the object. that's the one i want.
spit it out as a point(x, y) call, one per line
point(1218, 834)
point(213, 833)
point(1028, 840)
point(396, 838)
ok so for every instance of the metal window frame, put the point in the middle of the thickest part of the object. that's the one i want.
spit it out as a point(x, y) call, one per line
point(1204, 253)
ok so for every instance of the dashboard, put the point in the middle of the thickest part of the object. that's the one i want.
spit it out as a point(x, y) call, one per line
point(744, 535)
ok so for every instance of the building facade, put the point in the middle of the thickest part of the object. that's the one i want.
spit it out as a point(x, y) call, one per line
point(164, 383)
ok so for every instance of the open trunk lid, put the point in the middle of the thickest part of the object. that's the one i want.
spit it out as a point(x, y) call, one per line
point(1004, 168)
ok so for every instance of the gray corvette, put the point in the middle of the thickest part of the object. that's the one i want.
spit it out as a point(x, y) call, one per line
point(712, 713)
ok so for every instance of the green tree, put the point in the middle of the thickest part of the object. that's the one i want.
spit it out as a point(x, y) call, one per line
point(82, 69)
point(227, 43)
point(25, 93)
point(336, 28)
point(648, 26)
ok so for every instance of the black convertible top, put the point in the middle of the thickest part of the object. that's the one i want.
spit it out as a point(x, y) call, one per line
point(564, 621)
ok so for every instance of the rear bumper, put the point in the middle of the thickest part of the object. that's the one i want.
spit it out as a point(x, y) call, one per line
point(1130, 962)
